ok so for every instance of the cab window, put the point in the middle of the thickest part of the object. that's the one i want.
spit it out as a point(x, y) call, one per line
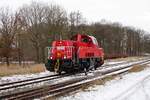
point(85, 39)
point(94, 41)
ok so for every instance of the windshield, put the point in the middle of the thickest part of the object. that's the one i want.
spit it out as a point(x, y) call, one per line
point(94, 40)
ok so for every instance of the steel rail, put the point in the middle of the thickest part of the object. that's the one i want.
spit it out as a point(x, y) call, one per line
point(42, 79)
point(46, 90)
point(26, 80)
point(48, 76)
point(32, 82)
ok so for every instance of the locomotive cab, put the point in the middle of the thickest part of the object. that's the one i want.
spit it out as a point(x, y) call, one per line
point(88, 53)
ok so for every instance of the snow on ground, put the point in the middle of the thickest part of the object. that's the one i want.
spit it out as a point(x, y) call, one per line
point(122, 60)
point(14, 78)
point(113, 62)
point(132, 86)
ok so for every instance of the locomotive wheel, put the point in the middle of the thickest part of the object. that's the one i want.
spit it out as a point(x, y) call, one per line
point(59, 72)
point(49, 65)
point(87, 65)
point(69, 71)
point(95, 64)
point(98, 63)
point(95, 67)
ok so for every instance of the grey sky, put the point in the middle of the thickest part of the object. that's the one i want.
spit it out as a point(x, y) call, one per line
point(129, 12)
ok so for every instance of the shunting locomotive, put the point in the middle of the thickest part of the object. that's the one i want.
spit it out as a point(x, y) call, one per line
point(80, 53)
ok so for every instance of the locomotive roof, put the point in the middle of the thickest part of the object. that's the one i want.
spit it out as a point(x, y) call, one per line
point(92, 37)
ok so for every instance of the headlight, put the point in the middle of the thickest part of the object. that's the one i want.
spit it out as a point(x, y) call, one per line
point(65, 57)
point(51, 57)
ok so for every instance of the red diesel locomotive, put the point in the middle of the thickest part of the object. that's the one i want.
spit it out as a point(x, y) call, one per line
point(80, 53)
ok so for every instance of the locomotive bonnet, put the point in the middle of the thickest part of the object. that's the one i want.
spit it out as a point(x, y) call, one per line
point(80, 53)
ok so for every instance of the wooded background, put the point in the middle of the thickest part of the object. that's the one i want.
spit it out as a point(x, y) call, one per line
point(25, 33)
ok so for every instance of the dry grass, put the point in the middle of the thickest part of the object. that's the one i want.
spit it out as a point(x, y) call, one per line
point(97, 82)
point(137, 68)
point(14, 69)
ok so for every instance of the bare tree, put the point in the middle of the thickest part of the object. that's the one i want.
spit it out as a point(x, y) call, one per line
point(43, 22)
point(76, 22)
point(10, 24)
point(57, 21)
point(34, 16)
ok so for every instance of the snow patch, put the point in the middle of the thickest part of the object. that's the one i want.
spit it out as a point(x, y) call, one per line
point(15, 78)
point(118, 89)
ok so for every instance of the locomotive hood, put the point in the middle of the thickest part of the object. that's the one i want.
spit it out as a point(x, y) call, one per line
point(62, 43)
point(61, 49)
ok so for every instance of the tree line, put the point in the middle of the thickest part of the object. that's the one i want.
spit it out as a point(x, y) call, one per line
point(25, 33)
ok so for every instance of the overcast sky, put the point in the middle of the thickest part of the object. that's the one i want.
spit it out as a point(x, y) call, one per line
point(128, 12)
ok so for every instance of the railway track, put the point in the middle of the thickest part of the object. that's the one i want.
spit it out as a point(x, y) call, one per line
point(31, 81)
point(65, 86)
